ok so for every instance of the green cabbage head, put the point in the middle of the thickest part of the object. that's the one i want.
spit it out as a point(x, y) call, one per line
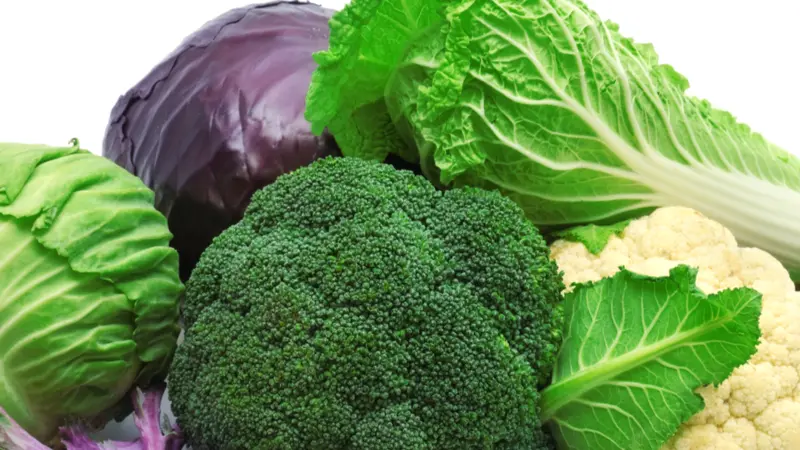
point(89, 287)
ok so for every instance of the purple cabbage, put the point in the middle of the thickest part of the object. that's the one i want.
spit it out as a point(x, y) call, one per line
point(155, 431)
point(14, 437)
point(221, 117)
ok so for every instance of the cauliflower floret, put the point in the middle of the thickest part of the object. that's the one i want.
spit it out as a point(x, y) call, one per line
point(758, 406)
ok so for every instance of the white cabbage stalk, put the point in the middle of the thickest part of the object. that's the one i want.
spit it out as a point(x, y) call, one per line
point(554, 107)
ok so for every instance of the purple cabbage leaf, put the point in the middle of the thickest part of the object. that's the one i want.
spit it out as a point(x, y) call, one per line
point(155, 431)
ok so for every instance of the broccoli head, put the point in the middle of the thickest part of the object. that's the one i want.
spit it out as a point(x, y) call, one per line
point(357, 307)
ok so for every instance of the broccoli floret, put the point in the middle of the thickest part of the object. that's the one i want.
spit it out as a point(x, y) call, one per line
point(356, 307)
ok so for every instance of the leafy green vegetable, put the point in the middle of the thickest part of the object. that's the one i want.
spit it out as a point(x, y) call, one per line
point(89, 286)
point(635, 349)
point(547, 103)
point(367, 39)
point(593, 237)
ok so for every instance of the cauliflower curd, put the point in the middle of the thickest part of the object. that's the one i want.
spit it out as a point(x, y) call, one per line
point(758, 407)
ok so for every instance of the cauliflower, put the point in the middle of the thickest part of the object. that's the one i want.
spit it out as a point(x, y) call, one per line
point(758, 406)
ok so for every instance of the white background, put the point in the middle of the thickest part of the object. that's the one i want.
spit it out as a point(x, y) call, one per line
point(63, 64)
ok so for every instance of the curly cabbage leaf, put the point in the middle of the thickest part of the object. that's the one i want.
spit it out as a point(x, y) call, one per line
point(547, 103)
point(89, 286)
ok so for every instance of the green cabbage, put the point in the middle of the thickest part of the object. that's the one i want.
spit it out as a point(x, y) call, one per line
point(89, 286)
point(554, 107)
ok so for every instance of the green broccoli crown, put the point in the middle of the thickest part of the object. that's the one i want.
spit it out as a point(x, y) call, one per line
point(357, 307)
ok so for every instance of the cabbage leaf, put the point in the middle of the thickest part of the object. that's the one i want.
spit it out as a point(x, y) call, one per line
point(547, 103)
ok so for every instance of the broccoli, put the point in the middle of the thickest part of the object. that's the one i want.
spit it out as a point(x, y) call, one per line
point(357, 307)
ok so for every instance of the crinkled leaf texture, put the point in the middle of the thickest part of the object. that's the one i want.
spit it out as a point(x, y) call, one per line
point(554, 107)
point(89, 286)
point(635, 350)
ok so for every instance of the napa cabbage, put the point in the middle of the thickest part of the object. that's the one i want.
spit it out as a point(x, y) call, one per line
point(546, 102)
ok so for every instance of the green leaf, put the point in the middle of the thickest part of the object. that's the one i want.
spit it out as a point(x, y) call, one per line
point(593, 237)
point(368, 40)
point(580, 124)
point(635, 350)
point(795, 275)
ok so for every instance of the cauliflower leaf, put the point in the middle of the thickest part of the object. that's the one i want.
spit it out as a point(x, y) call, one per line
point(593, 237)
point(635, 350)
